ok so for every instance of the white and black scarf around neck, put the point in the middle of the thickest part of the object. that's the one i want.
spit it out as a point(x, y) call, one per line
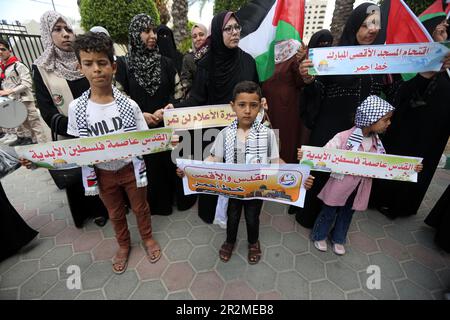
point(257, 145)
point(143, 62)
point(126, 112)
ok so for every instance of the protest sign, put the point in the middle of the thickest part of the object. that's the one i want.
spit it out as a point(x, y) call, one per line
point(199, 117)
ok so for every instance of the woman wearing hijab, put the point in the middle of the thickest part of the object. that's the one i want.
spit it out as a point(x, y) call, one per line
point(189, 68)
point(221, 68)
point(167, 47)
point(420, 128)
point(282, 92)
point(14, 232)
point(58, 82)
point(149, 79)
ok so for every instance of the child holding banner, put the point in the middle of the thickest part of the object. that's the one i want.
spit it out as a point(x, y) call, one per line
point(246, 140)
point(343, 194)
point(104, 105)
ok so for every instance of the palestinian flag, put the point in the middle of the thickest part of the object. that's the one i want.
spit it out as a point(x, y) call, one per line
point(266, 22)
point(433, 11)
point(401, 24)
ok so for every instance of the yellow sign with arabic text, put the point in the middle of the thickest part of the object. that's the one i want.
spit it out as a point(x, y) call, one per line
point(279, 183)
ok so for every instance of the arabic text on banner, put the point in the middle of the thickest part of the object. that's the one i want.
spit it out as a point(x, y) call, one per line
point(365, 164)
point(381, 59)
point(220, 115)
point(93, 150)
point(281, 183)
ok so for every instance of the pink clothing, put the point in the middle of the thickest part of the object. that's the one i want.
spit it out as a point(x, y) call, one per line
point(336, 192)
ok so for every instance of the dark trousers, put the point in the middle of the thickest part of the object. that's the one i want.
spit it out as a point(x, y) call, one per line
point(252, 210)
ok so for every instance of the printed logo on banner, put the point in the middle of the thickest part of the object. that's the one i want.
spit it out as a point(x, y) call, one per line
point(287, 180)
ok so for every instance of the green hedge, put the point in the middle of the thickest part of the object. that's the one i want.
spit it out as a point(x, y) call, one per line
point(115, 15)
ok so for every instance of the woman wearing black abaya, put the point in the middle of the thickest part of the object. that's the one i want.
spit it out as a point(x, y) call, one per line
point(420, 128)
point(222, 67)
point(167, 47)
point(337, 97)
point(14, 232)
point(149, 79)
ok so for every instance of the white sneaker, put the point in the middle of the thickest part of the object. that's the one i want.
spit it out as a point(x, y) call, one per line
point(321, 245)
point(338, 249)
point(6, 137)
point(12, 138)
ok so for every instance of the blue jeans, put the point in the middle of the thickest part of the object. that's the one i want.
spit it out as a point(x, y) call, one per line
point(340, 216)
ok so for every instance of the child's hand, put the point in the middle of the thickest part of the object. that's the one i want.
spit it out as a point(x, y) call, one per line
point(175, 140)
point(27, 163)
point(180, 173)
point(309, 182)
point(299, 154)
point(418, 167)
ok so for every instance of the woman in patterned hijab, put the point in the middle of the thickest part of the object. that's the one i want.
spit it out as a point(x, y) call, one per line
point(145, 61)
point(58, 55)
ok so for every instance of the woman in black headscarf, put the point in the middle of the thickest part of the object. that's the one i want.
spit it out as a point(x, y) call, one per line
point(420, 127)
point(149, 79)
point(167, 46)
point(221, 68)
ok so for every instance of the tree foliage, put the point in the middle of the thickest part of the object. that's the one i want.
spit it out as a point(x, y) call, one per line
point(232, 5)
point(115, 15)
point(419, 6)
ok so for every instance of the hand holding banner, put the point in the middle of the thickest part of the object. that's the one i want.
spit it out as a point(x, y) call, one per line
point(89, 151)
point(378, 59)
point(364, 164)
point(281, 183)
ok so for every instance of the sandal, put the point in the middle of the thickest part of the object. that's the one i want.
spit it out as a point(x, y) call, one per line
point(120, 260)
point(225, 252)
point(254, 253)
point(153, 251)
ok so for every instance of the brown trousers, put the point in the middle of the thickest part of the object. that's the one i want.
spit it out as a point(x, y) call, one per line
point(112, 185)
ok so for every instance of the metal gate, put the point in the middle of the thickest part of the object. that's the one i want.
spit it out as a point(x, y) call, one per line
point(26, 47)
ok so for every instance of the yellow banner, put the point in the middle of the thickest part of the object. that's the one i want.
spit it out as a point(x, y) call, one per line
point(279, 183)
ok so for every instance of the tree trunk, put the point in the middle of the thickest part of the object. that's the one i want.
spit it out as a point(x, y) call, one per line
point(164, 15)
point(180, 20)
point(342, 10)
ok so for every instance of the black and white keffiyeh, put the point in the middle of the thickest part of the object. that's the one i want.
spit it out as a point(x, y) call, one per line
point(369, 111)
point(126, 112)
point(144, 63)
point(257, 147)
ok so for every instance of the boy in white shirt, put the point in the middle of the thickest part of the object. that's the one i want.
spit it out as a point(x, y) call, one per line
point(104, 110)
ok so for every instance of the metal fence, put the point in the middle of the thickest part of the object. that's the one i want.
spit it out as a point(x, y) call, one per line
point(26, 47)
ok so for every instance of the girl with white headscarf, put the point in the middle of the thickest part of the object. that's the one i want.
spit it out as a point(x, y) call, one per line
point(58, 82)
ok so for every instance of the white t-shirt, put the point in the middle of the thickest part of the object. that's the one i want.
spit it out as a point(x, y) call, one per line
point(103, 119)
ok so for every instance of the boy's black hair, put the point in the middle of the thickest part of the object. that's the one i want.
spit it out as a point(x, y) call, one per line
point(5, 43)
point(246, 87)
point(94, 42)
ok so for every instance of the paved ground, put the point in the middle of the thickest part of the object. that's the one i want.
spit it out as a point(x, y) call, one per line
point(411, 266)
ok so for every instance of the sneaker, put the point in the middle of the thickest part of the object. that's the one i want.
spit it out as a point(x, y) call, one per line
point(6, 137)
point(321, 245)
point(338, 249)
point(21, 141)
point(12, 138)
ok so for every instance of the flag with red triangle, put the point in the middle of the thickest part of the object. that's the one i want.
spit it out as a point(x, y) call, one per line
point(266, 22)
point(435, 10)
